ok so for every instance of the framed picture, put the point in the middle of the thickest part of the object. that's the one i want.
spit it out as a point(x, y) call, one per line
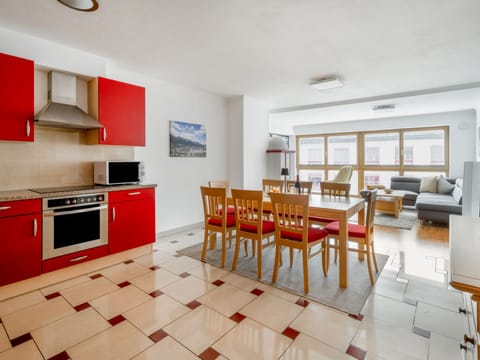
point(187, 140)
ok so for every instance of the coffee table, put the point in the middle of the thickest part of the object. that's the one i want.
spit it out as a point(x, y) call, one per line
point(390, 203)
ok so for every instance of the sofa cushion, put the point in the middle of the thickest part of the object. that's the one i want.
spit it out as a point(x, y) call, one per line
point(444, 186)
point(428, 184)
point(438, 202)
point(457, 194)
point(405, 183)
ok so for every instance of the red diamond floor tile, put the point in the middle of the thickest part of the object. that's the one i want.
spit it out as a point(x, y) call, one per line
point(158, 335)
point(356, 352)
point(290, 333)
point(209, 354)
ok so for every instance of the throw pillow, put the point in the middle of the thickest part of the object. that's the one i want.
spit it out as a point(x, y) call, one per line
point(444, 186)
point(428, 184)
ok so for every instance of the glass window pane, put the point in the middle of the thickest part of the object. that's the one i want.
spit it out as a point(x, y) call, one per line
point(312, 175)
point(342, 150)
point(312, 151)
point(353, 181)
point(382, 149)
point(378, 177)
point(425, 147)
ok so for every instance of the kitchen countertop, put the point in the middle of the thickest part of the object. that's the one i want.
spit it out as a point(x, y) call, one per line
point(11, 195)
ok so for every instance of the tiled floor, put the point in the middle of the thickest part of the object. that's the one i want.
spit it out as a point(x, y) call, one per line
point(166, 306)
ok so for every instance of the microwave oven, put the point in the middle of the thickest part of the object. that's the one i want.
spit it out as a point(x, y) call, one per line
point(118, 172)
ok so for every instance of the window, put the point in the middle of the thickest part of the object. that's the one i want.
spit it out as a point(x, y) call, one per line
point(311, 150)
point(383, 154)
point(382, 148)
point(428, 147)
point(342, 150)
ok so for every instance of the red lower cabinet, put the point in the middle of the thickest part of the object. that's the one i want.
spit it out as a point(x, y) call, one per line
point(131, 219)
point(20, 239)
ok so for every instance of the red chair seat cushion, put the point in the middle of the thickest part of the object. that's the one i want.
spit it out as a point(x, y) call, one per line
point(267, 227)
point(218, 222)
point(354, 230)
point(321, 219)
point(314, 234)
point(230, 210)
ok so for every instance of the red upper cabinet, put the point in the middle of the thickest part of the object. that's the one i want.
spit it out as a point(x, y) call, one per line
point(16, 98)
point(120, 108)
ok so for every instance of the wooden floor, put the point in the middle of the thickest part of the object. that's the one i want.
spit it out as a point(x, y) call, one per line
point(416, 247)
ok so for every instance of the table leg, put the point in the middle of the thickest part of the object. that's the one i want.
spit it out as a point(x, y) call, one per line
point(361, 221)
point(343, 252)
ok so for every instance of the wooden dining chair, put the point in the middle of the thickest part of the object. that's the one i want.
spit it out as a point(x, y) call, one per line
point(305, 186)
point(250, 225)
point(362, 235)
point(219, 184)
point(216, 220)
point(272, 185)
point(292, 230)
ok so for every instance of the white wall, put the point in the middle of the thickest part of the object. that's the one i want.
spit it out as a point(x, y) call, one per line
point(235, 141)
point(462, 126)
point(179, 179)
point(255, 142)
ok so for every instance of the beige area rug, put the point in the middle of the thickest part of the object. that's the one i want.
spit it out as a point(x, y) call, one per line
point(406, 219)
point(322, 289)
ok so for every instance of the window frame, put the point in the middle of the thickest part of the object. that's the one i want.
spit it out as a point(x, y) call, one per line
point(360, 165)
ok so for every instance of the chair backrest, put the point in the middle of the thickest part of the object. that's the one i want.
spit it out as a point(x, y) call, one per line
point(270, 184)
point(290, 213)
point(344, 175)
point(248, 209)
point(335, 188)
point(214, 201)
point(305, 186)
point(219, 184)
point(370, 197)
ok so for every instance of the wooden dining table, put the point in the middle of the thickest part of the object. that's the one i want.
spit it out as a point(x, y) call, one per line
point(341, 209)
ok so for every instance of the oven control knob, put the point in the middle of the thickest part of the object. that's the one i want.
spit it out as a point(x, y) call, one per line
point(74, 201)
point(81, 200)
point(67, 202)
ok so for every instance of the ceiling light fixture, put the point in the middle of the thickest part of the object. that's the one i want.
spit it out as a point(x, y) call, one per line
point(81, 5)
point(326, 83)
point(384, 108)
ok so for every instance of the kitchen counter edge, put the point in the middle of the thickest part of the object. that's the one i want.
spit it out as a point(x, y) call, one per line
point(13, 195)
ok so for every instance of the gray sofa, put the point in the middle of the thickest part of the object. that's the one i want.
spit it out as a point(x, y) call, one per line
point(434, 207)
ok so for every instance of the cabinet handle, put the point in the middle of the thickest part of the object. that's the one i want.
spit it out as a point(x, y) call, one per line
point(35, 227)
point(78, 258)
point(104, 133)
point(27, 128)
point(5, 207)
point(114, 215)
point(134, 193)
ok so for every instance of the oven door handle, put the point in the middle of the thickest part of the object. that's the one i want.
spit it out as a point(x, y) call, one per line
point(51, 213)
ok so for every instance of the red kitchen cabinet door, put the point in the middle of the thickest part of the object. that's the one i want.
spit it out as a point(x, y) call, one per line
point(21, 242)
point(132, 222)
point(16, 98)
point(121, 110)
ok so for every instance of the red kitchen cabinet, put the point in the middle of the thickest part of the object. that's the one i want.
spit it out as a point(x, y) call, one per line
point(120, 108)
point(131, 219)
point(16, 98)
point(20, 239)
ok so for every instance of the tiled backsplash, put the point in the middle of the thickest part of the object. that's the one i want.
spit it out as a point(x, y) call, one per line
point(57, 157)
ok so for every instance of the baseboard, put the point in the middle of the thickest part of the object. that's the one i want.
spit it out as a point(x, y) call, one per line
point(179, 229)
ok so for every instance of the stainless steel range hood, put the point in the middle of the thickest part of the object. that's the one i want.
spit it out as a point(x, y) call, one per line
point(62, 110)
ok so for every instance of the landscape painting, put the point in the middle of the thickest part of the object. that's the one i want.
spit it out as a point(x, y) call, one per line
point(187, 139)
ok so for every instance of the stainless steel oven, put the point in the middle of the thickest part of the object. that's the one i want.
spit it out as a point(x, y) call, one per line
point(74, 223)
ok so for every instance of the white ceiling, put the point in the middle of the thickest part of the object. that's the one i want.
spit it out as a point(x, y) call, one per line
point(271, 49)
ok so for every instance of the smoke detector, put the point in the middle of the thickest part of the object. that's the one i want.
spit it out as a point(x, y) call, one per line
point(326, 83)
